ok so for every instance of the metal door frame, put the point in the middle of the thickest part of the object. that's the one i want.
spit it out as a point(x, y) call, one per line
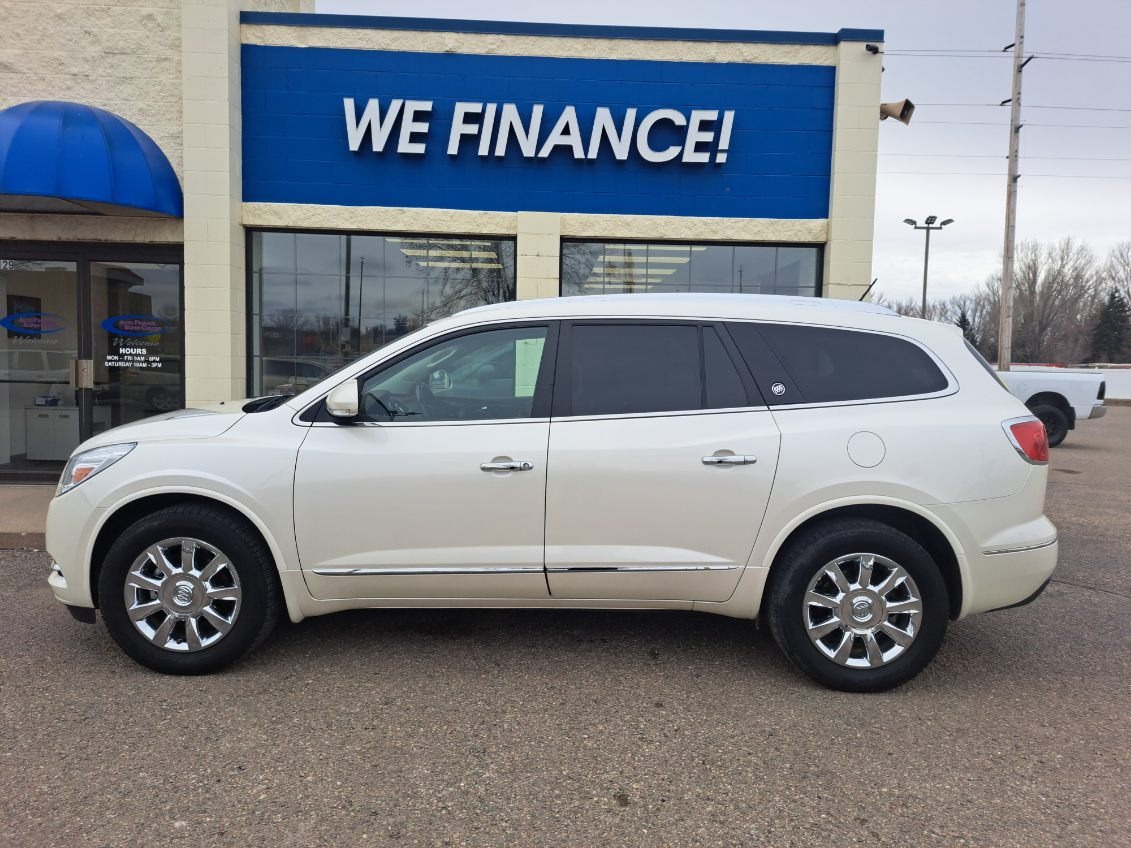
point(83, 254)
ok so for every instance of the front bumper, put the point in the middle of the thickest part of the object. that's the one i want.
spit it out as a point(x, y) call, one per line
point(72, 521)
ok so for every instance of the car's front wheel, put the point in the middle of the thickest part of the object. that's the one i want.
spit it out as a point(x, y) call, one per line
point(857, 605)
point(188, 589)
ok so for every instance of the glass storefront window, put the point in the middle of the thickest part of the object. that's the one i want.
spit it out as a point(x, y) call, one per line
point(320, 300)
point(590, 267)
point(137, 339)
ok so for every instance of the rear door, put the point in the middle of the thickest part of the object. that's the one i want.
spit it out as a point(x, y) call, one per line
point(661, 459)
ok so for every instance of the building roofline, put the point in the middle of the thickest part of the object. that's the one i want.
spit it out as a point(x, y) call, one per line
point(299, 19)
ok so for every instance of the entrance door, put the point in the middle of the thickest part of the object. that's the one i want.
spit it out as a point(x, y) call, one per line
point(40, 340)
point(86, 343)
point(137, 341)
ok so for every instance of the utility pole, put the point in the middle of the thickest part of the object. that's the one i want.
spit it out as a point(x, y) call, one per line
point(1005, 316)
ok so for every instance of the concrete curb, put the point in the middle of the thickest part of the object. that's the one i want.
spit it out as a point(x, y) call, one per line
point(22, 542)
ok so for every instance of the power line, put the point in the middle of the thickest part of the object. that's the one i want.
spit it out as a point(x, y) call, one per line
point(999, 175)
point(998, 52)
point(1033, 106)
point(1002, 156)
point(1027, 124)
point(971, 54)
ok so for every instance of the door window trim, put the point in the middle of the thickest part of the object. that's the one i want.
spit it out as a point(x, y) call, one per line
point(315, 414)
point(562, 401)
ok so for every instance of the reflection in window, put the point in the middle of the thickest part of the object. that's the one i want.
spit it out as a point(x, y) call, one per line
point(320, 300)
point(632, 267)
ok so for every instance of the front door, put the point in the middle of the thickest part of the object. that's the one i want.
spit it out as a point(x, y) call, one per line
point(40, 342)
point(438, 491)
point(662, 456)
point(87, 342)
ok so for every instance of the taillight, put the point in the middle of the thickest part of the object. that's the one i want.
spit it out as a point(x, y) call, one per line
point(1028, 438)
point(1103, 390)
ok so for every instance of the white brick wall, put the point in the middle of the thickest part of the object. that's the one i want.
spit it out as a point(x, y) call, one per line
point(848, 254)
point(122, 56)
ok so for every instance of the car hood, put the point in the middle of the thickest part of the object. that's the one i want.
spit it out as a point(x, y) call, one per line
point(206, 421)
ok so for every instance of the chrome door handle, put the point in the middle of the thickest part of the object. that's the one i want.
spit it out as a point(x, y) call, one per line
point(507, 466)
point(738, 459)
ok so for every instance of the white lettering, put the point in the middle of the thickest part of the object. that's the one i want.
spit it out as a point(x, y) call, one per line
point(491, 126)
point(696, 135)
point(724, 136)
point(644, 148)
point(566, 133)
point(370, 119)
point(461, 126)
point(488, 128)
point(511, 122)
point(410, 126)
point(603, 125)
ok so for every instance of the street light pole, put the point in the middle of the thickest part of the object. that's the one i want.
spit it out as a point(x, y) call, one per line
point(927, 225)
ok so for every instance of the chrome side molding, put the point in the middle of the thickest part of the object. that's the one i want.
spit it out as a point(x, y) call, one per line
point(414, 572)
point(613, 569)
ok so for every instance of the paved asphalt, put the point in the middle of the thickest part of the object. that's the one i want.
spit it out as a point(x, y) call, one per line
point(584, 729)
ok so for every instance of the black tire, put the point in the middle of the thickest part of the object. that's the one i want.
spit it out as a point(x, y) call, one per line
point(785, 609)
point(261, 597)
point(1055, 421)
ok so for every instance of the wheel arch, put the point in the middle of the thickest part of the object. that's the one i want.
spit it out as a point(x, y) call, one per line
point(1051, 399)
point(130, 511)
point(918, 526)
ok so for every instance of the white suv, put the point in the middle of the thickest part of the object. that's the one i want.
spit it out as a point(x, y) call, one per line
point(854, 479)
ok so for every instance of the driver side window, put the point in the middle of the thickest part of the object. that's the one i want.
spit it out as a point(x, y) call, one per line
point(482, 376)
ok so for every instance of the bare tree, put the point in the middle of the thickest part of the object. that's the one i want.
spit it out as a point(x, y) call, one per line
point(1117, 269)
point(1058, 291)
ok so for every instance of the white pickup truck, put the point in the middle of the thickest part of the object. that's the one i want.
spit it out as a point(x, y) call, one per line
point(1058, 398)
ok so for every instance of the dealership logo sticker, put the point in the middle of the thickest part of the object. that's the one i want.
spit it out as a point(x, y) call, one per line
point(33, 323)
point(135, 326)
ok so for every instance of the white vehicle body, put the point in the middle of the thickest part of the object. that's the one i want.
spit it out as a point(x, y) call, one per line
point(1079, 396)
point(680, 509)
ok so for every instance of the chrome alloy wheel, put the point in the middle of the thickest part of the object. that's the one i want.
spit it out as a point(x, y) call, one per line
point(862, 610)
point(182, 594)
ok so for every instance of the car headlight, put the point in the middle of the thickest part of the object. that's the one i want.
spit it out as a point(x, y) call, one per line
point(83, 466)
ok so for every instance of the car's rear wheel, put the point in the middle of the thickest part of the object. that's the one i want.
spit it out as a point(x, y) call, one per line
point(189, 589)
point(1055, 421)
point(857, 605)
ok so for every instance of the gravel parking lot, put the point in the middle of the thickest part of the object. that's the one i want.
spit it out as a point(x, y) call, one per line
point(589, 728)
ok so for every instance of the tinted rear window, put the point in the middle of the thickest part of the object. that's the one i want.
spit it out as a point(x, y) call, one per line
point(827, 365)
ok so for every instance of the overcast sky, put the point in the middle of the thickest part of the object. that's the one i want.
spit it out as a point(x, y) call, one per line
point(1067, 188)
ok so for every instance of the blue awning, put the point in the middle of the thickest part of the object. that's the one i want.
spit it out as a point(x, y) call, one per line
point(57, 156)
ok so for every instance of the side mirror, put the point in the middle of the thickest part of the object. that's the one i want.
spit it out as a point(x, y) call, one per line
point(343, 401)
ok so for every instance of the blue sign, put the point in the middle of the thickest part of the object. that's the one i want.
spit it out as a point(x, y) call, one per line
point(509, 133)
point(33, 323)
point(134, 326)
